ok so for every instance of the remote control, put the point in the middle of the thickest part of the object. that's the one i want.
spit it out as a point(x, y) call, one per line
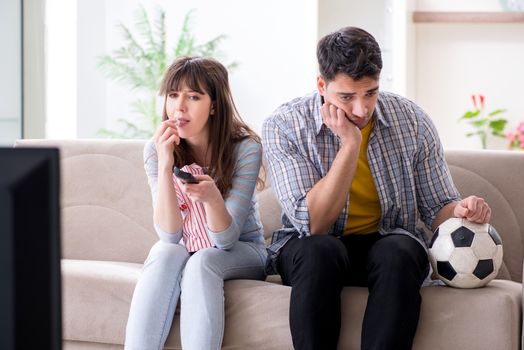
point(185, 176)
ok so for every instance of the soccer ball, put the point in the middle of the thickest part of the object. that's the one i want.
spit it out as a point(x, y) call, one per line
point(464, 254)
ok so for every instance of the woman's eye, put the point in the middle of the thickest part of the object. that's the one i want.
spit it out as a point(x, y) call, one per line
point(194, 98)
point(172, 95)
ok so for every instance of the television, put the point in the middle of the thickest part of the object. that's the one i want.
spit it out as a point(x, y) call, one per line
point(30, 283)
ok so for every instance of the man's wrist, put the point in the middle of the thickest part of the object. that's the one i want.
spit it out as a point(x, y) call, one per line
point(349, 147)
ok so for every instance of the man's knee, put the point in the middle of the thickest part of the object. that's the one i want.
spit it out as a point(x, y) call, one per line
point(398, 253)
point(322, 250)
point(313, 258)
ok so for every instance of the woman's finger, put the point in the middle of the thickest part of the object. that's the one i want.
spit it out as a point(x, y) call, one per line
point(167, 134)
point(161, 128)
point(173, 139)
point(203, 177)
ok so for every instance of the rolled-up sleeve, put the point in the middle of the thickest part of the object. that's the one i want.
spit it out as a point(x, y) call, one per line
point(292, 174)
point(239, 198)
point(151, 168)
point(435, 187)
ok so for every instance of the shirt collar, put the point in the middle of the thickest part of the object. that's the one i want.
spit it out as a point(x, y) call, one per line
point(317, 103)
point(379, 116)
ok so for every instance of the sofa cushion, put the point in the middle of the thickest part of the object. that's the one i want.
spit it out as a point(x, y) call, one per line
point(96, 296)
point(257, 311)
point(483, 318)
point(270, 212)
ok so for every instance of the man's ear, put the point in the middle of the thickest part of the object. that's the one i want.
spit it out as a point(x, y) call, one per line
point(321, 85)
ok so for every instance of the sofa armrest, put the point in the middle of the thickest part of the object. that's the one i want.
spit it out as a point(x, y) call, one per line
point(497, 177)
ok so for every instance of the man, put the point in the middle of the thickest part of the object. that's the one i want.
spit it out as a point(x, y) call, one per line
point(355, 170)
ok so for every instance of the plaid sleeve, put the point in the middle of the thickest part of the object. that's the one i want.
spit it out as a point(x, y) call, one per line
point(292, 174)
point(435, 187)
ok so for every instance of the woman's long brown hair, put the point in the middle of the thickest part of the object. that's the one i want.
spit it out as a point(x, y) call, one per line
point(226, 127)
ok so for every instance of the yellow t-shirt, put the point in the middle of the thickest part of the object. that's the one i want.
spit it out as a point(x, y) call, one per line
point(364, 204)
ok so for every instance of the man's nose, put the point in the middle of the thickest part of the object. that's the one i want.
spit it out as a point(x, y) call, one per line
point(360, 109)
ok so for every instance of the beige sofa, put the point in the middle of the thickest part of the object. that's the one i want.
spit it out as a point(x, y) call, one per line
point(107, 232)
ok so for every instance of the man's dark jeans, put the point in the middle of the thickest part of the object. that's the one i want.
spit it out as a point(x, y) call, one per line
point(393, 268)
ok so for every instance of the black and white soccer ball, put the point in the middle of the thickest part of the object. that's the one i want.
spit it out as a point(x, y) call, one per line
point(464, 254)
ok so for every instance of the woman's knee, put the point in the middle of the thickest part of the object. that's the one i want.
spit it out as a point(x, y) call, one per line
point(205, 260)
point(167, 254)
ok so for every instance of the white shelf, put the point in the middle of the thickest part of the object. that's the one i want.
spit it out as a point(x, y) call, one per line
point(468, 17)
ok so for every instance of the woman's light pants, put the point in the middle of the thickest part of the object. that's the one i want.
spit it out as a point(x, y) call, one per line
point(170, 272)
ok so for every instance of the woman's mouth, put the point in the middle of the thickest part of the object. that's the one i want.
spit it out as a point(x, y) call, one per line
point(181, 122)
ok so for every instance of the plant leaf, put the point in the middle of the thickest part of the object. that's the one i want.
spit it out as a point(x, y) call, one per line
point(497, 111)
point(143, 27)
point(186, 40)
point(470, 114)
point(498, 125)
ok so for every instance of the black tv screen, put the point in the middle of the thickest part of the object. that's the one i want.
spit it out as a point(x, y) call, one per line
point(30, 311)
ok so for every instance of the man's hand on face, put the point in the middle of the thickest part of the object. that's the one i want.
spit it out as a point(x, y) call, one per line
point(337, 121)
point(474, 209)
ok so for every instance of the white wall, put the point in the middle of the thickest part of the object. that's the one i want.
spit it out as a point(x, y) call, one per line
point(61, 71)
point(272, 41)
point(91, 92)
point(454, 61)
point(375, 16)
point(437, 65)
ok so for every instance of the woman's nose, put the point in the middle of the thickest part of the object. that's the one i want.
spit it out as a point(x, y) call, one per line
point(180, 104)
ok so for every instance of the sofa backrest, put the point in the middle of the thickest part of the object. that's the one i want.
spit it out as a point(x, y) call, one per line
point(106, 203)
point(107, 212)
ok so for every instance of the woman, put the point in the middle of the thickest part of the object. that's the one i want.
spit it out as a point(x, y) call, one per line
point(209, 231)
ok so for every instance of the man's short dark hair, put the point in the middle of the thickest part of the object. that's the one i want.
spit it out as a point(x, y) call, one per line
point(351, 51)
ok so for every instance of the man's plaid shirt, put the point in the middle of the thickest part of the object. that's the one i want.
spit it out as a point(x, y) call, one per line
point(405, 156)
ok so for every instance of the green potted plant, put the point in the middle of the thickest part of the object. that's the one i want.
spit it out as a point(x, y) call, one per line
point(141, 62)
point(485, 123)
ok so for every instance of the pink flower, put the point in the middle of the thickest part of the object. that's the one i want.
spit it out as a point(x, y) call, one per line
point(474, 98)
point(516, 138)
point(481, 101)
